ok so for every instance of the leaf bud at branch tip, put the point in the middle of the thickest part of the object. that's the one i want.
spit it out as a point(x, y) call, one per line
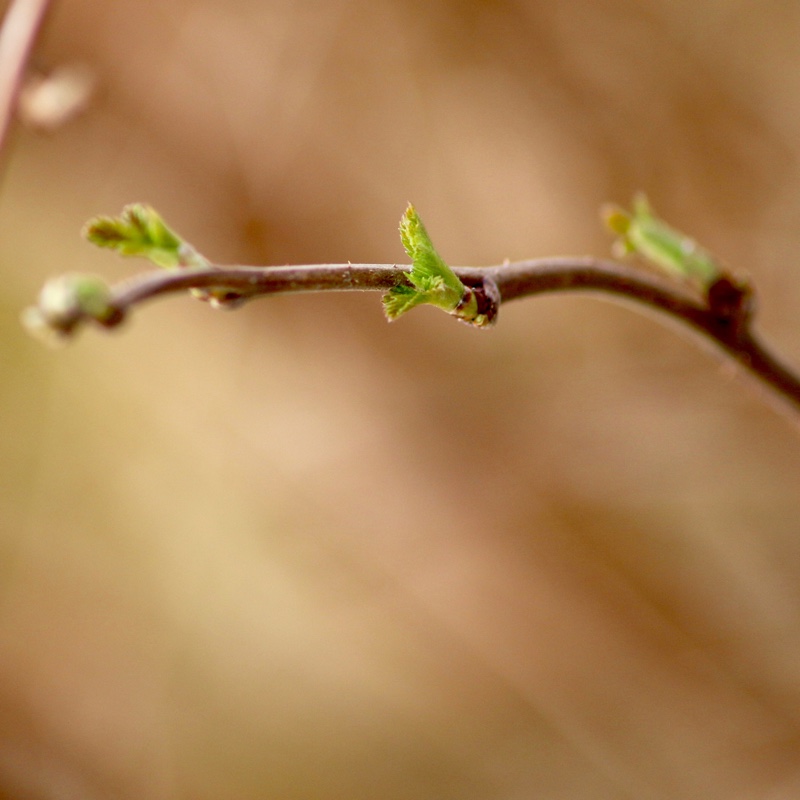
point(67, 301)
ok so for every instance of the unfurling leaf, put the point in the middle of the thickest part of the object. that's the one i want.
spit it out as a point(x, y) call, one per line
point(643, 233)
point(141, 231)
point(431, 281)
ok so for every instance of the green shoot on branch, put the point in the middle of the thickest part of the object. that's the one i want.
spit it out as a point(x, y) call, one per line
point(643, 233)
point(140, 231)
point(432, 281)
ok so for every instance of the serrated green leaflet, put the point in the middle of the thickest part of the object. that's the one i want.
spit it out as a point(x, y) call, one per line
point(401, 299)
point(429, 272)
point(432, 281)
point(140, 231)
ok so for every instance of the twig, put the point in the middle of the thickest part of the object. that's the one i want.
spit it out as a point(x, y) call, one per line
point(729, 329)
point(18, 34)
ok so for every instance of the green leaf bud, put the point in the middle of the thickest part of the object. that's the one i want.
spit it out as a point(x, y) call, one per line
point(643, 233)
point(430, 281)
point(141, 231)
point(66, 301)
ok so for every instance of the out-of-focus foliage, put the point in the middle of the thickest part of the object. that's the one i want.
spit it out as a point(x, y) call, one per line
point(63, 302)
point(647, 235)
point(140, 231)
point(296, 552)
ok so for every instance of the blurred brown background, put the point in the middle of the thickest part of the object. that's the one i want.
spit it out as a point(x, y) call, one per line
point(295, 552)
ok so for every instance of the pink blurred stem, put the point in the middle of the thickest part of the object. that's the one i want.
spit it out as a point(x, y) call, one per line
point(21, 25)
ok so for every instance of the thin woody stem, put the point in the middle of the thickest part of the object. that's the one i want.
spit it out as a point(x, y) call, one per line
point(734, 336)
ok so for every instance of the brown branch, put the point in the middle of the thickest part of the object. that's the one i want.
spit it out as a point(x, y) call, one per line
point(21, 25)
point(726, 326)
